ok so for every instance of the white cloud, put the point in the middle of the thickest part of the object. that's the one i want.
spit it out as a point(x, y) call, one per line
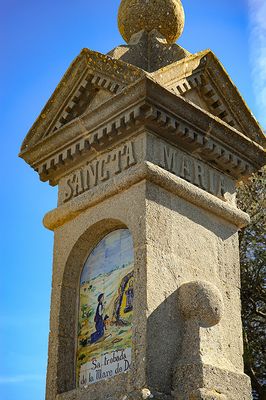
point(257, 11)
point(21, 378)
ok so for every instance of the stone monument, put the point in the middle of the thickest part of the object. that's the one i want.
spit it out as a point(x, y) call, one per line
point(146, 145)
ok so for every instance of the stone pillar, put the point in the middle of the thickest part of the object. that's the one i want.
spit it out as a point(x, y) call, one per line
point(147, 142)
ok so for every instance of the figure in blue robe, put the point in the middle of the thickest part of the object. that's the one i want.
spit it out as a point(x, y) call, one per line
point(99, 321)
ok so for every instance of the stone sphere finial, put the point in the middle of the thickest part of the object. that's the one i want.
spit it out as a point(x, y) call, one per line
point(166, 16)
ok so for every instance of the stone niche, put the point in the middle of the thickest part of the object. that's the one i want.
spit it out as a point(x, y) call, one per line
point(83, 240)
point(146, 145)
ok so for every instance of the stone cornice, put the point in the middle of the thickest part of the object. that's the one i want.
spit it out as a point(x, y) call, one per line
point(209, 126)
point(152, 173)
point(180, 76)
point(148, 104)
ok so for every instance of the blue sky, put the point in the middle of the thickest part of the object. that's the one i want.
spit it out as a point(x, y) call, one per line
point(114, 250)
point(39, 39)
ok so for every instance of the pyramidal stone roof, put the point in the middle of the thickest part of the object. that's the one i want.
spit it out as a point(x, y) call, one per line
point(101, 96)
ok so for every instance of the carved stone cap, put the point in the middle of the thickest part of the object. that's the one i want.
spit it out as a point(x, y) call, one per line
point(101, 100)
point(166, 16)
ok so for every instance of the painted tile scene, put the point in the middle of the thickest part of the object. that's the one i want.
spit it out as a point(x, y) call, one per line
point(105, 310)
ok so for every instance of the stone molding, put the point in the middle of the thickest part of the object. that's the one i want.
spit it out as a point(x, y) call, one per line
point(172, 117)
point(152, 173)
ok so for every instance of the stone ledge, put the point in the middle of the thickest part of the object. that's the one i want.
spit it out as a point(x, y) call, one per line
point(145, 103)
point(152, 173)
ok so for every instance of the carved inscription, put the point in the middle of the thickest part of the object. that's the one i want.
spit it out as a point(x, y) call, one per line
point(99, 170)
point(194, 171)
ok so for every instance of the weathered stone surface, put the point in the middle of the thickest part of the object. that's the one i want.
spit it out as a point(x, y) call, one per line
point(157, 175)
point(165, 229)
point(137, 15)
point(205, 394)
point(204, 381)
point(149, 51)
point(202, 302)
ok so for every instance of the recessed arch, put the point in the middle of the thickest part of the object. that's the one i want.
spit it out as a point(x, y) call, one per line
point(105, 311)
point(69, 300)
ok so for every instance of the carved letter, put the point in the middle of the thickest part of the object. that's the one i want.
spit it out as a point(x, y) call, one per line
point(212, 177)
point(78, 183)
point(91, 174)
point(69, 192)
point(169, 159)
point(117, 159)
point(221, 186)
point(200, 177)
point(104, 174)
point(185, 171)
point(129, 153)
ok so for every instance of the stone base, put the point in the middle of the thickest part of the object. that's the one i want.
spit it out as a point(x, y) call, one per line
point(138, 394)
point(205, 394)
point(206, 382)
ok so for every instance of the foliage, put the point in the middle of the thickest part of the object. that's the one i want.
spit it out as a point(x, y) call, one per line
point(252, 199)
point(84, 310)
